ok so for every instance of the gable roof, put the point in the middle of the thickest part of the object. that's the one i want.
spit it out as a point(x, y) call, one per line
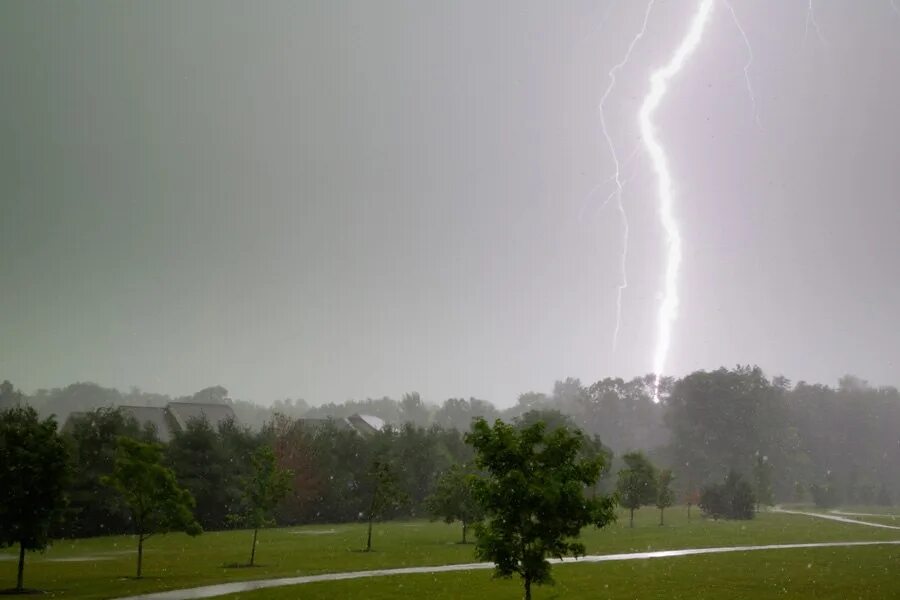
point(365, 424)
point(184, 412)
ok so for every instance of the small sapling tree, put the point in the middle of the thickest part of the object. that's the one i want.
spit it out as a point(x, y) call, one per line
point(454, 498)
point(261, 491)
point(151, 493)
point(636, 485)
point(665, 497)
point(384, 494)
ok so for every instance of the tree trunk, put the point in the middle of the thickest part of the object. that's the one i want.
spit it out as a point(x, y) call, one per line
point(21, 572)
point(140, 554)
point(661, 517)
point(528, 588)
point(369, 539)
point(631, 522)
point(253, 549)
point(464, 532)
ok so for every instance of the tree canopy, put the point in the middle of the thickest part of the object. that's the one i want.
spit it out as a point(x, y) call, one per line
point(33, 480)
point(636, 485)
point(154, 499)
point(533, 494)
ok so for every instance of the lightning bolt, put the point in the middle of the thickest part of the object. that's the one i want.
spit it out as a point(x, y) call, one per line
point(617, 175)
point(811, 20)
point(659, 81)
point(749, 63)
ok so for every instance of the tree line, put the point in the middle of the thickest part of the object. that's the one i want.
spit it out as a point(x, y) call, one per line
point(819, 443)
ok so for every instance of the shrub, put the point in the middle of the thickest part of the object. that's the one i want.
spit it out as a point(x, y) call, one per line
point(733, 499)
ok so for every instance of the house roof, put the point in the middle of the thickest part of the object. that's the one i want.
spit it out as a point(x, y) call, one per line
point(366, 424)
point(184, 412)
point(154, 415)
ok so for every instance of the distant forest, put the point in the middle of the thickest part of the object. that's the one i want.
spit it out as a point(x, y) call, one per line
point(828, 444)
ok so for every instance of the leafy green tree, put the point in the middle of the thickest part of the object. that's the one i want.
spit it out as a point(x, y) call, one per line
point(552, 419)
point(415, 454)
point(34, 472)
point(533, 494)
point(95, 509)
point(203, 467)
point(261, 492)
point(458, 413)
point(762, 479)
point(733, 499)
point(636, 485)
point(454, 498)
point(712, 501)
point(799, 491)
point(665, 497)
point(413, 410)
point(384, 494)
point(692, 498)
point(150, 491)
point(719, 419)
point(9, 395)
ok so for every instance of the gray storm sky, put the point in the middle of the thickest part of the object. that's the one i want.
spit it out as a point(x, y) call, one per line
point(349, 199)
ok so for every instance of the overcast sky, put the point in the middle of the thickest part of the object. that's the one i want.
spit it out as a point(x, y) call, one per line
point(335, 200)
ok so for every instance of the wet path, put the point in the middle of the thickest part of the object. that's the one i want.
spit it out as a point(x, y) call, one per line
point(836, 516)
point(211, 591)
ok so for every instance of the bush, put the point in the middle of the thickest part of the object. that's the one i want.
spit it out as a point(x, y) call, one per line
point(733, 499)
point(824, 496)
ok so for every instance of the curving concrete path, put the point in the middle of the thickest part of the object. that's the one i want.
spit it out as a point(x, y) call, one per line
point(836, 516)
point(856, 514)
point(211, 591)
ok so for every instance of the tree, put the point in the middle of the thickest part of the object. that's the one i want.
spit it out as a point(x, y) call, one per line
point(733, 499)
point(384, 494)
point(33, 479)
point(202, 466)
point(261, 492)
point(762, 479)
point(533, 494)
point(150, 491)
point(665, 497)
point(413, 410)
point(454, 498)
point(95, 509)
point(457, 413)
point(719, 419)
point(692, 499)
point(712, 501)
point(636, 485)
point(9, 396)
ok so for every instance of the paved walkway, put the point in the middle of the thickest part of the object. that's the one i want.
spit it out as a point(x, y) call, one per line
point(211, 591)
point(856, 514)
point(836, 517)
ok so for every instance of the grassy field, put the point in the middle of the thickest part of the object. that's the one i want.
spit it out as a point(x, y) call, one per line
point(834, 573)
point(102, 567)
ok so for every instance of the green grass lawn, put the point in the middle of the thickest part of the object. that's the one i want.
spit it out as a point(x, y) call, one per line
point(828, 573)
point(176, 561)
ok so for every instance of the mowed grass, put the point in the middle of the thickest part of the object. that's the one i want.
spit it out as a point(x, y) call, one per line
point(103, 567)
point(829, 573)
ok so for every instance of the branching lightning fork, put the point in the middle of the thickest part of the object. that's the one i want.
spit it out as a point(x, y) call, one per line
point(617, 175)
